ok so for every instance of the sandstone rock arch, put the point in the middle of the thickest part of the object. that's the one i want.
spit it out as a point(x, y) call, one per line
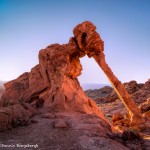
point(53, 83)
point(86, 41)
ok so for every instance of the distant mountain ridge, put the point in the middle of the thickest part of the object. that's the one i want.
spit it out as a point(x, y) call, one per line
point(92, 86)
point(140, 92)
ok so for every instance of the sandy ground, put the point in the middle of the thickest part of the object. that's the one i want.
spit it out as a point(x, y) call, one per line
point(83, 132)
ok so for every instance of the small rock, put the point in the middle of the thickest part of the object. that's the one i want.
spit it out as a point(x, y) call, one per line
point(144, 107)
point(48, 115)
point(34, 121)
point(130, 135)
point(147, 115)
point(109, 115)
point(30, 108)
point(60, 124)
point(117, 117)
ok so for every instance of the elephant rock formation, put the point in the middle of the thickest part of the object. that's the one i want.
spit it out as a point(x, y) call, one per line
point(53, 84)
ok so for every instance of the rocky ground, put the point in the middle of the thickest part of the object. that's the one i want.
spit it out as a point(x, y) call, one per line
point(61, 131)
point(67, 132)
point(110, 104)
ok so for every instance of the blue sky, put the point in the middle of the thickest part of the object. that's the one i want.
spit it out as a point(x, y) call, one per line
point(26, 26)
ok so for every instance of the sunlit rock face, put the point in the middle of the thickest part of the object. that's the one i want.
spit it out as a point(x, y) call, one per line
point(60, 78)
point(88, 40)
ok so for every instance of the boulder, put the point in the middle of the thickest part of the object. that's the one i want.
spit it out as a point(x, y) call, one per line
point(13, 116)
point(117, 117)
point(60, 124)
point(132, 86)
point(130, 135)
point(14, 90)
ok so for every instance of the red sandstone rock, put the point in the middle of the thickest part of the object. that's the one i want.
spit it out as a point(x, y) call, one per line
point(13, 116)
point(99, 95)
point(48, 115)
point(5, 122)
point(53, 83)
point(144, 107)
point(141, 95)
point(111, 97)
point(36, 85)
point(27, 106)
point(2, 89)
point(147, 115)
point(14, 90)
point(117, 117)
